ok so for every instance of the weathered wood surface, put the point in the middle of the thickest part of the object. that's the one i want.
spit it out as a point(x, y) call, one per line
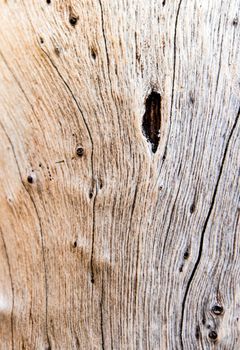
point(119, 247)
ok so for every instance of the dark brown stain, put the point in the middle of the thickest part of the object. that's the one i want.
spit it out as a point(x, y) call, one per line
point(57, 51)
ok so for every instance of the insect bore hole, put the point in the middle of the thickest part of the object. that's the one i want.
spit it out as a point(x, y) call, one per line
point(217, 309)
point(73, 20)
point(31, 178)
point(213, 335)
point(79, 151)
point(93, 54)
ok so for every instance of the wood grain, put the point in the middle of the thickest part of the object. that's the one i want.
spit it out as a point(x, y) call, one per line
point(105, 244)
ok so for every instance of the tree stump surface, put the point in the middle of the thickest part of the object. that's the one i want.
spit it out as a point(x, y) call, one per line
point(119, 191)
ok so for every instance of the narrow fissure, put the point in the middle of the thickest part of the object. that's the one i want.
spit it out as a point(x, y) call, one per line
point(205, 227)
point(41, 234)
point(174, 74)
point(81, 151)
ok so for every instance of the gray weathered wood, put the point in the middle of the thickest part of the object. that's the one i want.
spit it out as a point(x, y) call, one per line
point(118, 247)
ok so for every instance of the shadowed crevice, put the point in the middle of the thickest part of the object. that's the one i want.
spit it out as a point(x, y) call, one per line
point(174, 73)
point(151, 123)
point(200, 251)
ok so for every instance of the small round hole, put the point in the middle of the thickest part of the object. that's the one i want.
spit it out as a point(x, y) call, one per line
point(217, 309)
point(31, 178)
point(212, 335)
point(73, 20)
point(79, 151)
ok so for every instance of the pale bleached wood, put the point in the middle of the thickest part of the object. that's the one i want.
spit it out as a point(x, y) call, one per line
point(119, 248)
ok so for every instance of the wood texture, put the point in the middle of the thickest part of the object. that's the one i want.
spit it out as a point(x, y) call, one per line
point(103, 243)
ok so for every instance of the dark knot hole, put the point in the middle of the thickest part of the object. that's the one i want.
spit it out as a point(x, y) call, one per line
point(151, 123)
